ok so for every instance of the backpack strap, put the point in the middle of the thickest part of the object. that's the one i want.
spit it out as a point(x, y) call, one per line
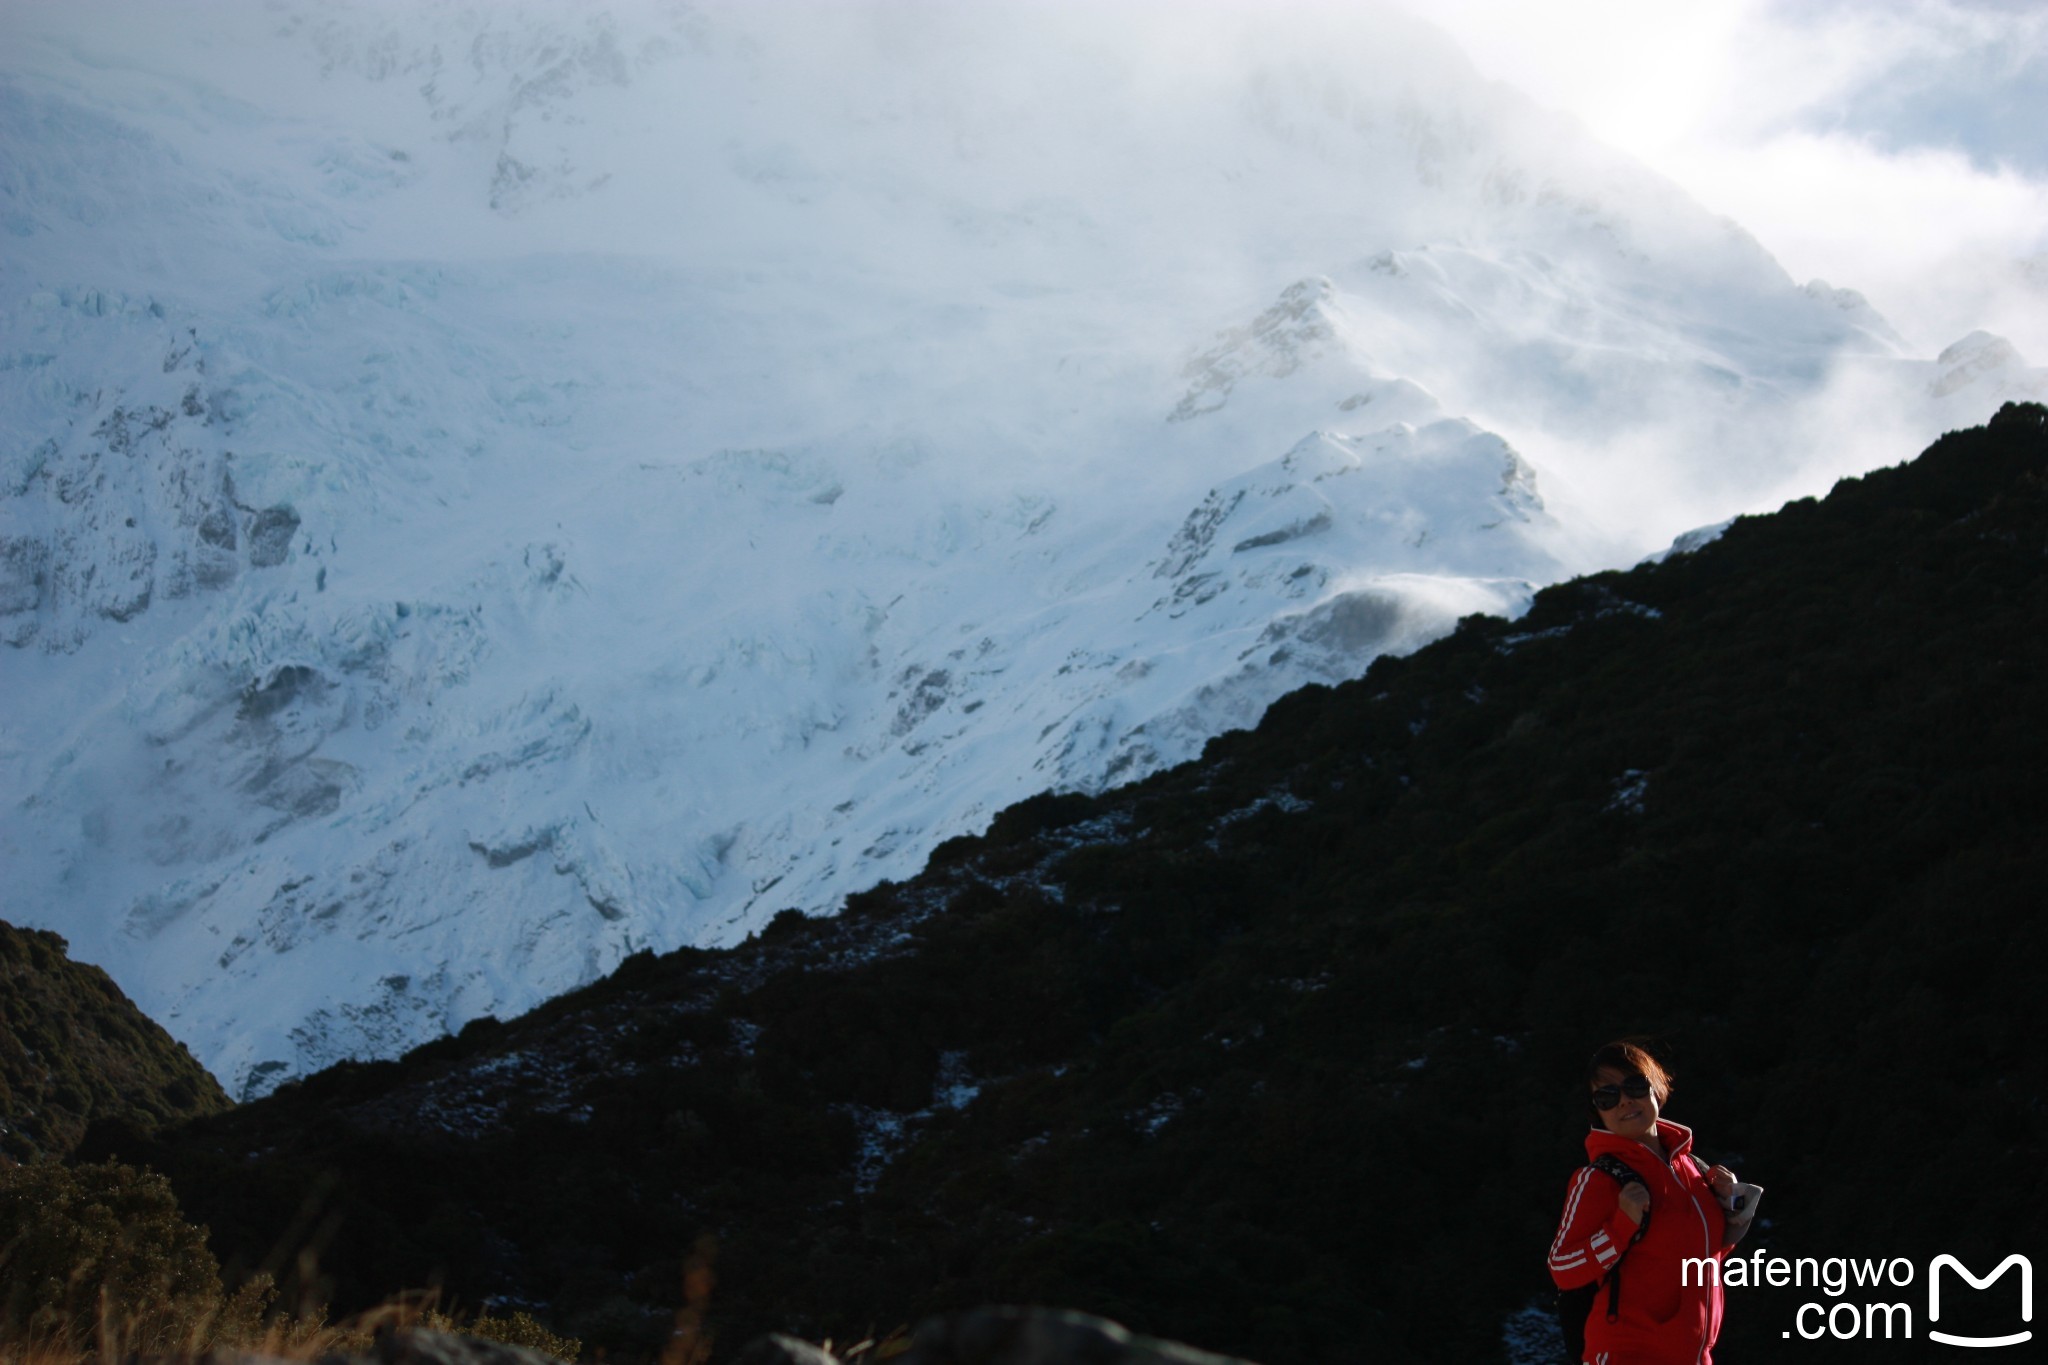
point(1623, 1174)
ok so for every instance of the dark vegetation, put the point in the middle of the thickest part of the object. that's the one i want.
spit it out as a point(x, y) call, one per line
point(1277, 1051)
point(100, 1254)
point(74, 1049)
point(97, 1262)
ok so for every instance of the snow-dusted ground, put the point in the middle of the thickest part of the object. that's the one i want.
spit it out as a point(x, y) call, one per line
point(485, 489)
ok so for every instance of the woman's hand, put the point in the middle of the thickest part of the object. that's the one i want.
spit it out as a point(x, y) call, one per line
point(1721, 1181)
point(1635, 1201)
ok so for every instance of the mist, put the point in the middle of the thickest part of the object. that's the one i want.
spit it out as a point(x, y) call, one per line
point(967, 224)
point(1890, 147)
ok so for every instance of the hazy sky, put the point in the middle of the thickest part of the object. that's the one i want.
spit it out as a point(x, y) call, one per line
point(1899, 147)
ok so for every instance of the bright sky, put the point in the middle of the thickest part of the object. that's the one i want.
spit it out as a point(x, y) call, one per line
point(1899, 147)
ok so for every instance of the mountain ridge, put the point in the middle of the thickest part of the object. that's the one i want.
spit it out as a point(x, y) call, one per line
point(1262, 1050)
point(74, 1051)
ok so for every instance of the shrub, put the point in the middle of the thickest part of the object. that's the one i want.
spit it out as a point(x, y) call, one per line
point(522, 1330)
point(101, 1256)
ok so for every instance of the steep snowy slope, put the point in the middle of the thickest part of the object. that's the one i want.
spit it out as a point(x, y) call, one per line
point(488, 489)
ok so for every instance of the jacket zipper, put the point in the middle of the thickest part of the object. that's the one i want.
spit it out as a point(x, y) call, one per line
point(1706, 1246)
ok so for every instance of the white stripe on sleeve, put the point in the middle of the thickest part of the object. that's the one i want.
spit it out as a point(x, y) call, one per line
point(1571, 1207)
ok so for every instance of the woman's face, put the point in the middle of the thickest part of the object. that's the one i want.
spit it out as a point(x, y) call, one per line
point(1632, 1118)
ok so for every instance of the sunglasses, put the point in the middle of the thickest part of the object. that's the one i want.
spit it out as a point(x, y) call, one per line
point(1607, 1096)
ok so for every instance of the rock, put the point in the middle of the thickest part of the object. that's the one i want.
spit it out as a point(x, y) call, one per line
point(783, 1350)
point(400, 1346)
point(24, 573)
point(1043, 1336)
point(418, 1346)
point(217, 528)
point(1975, 356)
point(270, 536)
point(1295, 330)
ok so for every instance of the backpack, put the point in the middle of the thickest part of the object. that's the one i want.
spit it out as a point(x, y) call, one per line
point(1574, 1306)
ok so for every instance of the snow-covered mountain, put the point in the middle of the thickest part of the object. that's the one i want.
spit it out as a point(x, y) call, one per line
point(488, 489)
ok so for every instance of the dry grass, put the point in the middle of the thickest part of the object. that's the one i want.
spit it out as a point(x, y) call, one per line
point(242, 1328)
point(99, 1264)
point(118, 1336)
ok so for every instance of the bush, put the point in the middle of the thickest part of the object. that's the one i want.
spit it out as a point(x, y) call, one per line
point(100, 1256)
point(521, 1330)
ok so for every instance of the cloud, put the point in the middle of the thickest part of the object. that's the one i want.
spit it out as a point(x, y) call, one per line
point(1892, 146)
point(1910, 75)
point(1937, 243)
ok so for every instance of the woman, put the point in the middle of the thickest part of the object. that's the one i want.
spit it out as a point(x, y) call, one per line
point(1642, 1231)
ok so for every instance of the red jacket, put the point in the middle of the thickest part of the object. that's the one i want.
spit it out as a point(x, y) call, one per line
point(1661, 1322)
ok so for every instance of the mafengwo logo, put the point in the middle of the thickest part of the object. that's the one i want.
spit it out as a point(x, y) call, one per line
point(1848, 1320)
point(2026, 1298)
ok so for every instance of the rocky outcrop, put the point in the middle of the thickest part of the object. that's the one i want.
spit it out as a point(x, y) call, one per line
point(1044, 1336)
point(989, 1336)
point(131, 501)
point(1983, 357)
point(424, 1347)
point(781, 1349)
point(979, 1336)
point(1279, 341)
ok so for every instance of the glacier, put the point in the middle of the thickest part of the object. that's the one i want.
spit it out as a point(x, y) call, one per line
point(485, 490)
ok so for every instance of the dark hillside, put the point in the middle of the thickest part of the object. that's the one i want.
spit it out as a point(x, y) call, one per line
point(74, 1049)
point(1276, 1053)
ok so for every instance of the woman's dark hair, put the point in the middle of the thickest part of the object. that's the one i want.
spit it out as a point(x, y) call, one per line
point(1630, 1059)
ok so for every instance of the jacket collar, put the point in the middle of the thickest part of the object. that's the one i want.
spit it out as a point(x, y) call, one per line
point(1676, 1137)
